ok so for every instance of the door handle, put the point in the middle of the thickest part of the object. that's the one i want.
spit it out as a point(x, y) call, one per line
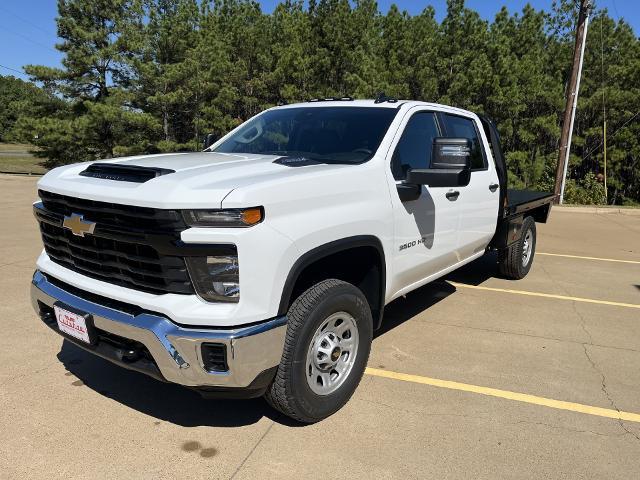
point(453, 196)
point(493, 187)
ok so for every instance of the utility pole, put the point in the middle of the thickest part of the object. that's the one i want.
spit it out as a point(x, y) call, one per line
point(572, 99)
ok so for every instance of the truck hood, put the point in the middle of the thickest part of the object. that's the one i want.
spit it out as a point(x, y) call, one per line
point(199, 180)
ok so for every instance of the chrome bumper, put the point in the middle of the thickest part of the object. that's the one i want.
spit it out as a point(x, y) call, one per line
point(177, 350)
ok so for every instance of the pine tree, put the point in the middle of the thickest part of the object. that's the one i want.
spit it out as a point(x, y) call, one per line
point(291, 76)
point(463, 65)
point(162, 68)
point(157, 75)
point(94, 41)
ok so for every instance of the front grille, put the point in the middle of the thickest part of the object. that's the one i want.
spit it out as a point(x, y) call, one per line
point(127, 248)
point(129, 217)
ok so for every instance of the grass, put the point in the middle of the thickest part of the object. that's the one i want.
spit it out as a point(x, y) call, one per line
point(15, 158)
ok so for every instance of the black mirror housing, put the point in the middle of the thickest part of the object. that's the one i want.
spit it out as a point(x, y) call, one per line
point(450, 164)
point(451, 153)
point(209, 140)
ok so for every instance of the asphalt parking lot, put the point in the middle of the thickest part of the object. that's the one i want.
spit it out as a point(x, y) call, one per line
point(472, 377)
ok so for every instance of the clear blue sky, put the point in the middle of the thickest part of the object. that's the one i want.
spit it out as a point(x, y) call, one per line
point(28, 29)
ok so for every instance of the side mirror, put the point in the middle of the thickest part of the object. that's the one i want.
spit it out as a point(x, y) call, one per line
point(450, 164)
point(454, 153)
point(209, 140)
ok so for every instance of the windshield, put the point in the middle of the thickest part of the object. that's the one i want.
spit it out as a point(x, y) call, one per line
point(325, 134)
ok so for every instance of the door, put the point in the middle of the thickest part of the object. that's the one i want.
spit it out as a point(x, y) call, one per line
point(478, 201)
point(425, 228)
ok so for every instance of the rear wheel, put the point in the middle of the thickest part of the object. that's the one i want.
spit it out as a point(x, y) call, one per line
point(327, 346)
point(515, 261)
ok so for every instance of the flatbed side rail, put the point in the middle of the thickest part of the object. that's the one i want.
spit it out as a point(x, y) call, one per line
point(520, 203)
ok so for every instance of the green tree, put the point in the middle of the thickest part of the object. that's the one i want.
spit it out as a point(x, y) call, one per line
point(291, 79)
point(156, 75)
point(93, 79)
point(163, 68)
point(19, 99)
point(611, 83)
point(463, 67)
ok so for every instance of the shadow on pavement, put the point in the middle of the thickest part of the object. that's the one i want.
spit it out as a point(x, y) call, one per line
point(407, 307)
point(476, 272)
point(182, 406)
point(165, 401)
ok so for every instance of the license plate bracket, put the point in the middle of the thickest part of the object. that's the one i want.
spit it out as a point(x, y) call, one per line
point(74, 323)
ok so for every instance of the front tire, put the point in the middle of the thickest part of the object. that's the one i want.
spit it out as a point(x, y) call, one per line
point(326, 349)
point(515, 261)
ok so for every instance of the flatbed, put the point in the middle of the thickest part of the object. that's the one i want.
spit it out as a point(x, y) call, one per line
point(520, 201)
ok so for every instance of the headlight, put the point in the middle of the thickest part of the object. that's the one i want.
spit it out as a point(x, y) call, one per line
point(233, 217)
point(216, 279)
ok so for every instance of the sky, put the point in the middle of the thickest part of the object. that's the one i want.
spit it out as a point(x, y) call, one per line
point(28, 28)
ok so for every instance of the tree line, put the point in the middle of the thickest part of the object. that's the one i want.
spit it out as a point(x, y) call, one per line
point(148, 76)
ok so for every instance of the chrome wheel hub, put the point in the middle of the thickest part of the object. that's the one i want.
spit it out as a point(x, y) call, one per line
point(527, 248)
point(332, 353)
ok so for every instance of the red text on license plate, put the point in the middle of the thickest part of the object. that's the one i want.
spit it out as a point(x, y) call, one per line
point(72, 324)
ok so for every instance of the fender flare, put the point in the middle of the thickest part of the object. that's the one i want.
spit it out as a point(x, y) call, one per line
point(322, 251)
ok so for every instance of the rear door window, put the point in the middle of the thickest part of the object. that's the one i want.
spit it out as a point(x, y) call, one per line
point(462, 127)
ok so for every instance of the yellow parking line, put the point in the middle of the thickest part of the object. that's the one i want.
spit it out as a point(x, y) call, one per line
point(588, 258)
point(546, 295)
point(506, 394)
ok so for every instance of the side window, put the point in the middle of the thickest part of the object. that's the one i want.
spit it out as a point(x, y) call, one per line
point(462, 127)
point(414, 148)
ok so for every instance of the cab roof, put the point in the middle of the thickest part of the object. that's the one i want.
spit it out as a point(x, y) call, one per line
point(371, 103)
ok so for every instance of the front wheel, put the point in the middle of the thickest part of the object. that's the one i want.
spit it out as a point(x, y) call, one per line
point(515, 261)
point(326, 349)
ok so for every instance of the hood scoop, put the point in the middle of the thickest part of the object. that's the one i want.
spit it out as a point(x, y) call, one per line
point(124, 173)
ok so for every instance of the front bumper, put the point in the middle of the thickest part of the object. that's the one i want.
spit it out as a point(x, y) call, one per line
point(174, 353)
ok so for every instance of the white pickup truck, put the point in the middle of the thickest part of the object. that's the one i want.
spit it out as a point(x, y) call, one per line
point(262, 265)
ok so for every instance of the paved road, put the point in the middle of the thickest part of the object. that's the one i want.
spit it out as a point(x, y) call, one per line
point(64, 414)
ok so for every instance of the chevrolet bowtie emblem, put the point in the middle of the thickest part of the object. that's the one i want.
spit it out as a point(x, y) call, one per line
point(78, 225)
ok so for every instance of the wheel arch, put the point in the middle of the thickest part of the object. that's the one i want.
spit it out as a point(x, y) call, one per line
point(327, 261)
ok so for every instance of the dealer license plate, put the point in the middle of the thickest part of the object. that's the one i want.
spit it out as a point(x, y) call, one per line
point(72, 324)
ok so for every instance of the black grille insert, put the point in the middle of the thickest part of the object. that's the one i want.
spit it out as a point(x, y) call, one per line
point(126, 248)
point(115, 215)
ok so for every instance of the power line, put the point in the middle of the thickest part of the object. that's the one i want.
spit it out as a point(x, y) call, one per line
point(28, 22)
point(615, 9)
point(14, 70)
point(28, 39)
point(584, 157)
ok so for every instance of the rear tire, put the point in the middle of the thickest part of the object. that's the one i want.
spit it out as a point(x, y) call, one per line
point(515, 261)
point(327, 345)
